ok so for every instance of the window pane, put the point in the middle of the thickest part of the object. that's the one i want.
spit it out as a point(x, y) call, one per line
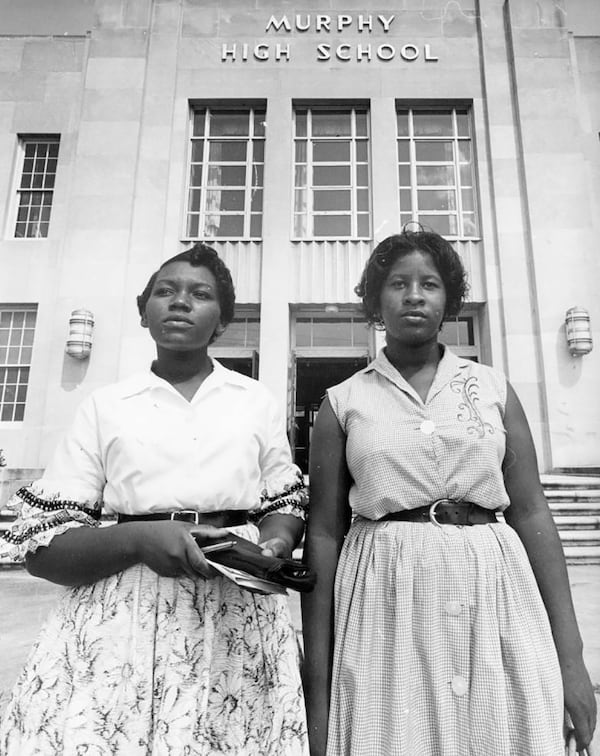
point(332, 225)
point(303, 332)
point(198, 126)
point(403, 151)
point(362, 175)
point(405, 199)
point(331, 123)
point(331, 175)
point(361, 124)
point(228, 151)
point(226, 225)
point(229, 123)
point(300, 122)
point(432, 124)
point(300, 175)
point(256, 201)
point(470, 225)
point(301, 228)
point(301, 152)
point(435, 175)
point(462, 124)
point(258, 151)
point(362, 196)
point(467, 199)
point(360, 334)
point(192, 226)
point(402, 122)
point(224, 200)
point(195, 196)
point(332, 200)
point(331, 332)
point(434, 151)
point(362, 151)
point(445, 225)
point(197, 151)
point(464, 151)
point(300, 196)
point(404, 175)
point(331, 152)
point(436, 200)
point(230, 175)
point(196, 175)
point(257, 175)
point(364, 225)
point(256, 225)
point(259, 122)
point(466, 176)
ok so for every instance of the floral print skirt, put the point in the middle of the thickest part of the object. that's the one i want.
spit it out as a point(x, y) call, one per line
point(138, 664)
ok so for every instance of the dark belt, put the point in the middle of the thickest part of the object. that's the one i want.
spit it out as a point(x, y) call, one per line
point(445, 512)
point(227, 518)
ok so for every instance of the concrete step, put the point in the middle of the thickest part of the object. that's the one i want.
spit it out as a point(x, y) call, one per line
point(550, 480)
point(591, 495)
point(581, 522)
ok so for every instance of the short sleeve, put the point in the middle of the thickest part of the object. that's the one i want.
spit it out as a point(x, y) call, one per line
point(68, 495)
point(282, 483)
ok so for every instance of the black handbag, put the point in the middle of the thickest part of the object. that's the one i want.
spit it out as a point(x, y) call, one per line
point(246, 556)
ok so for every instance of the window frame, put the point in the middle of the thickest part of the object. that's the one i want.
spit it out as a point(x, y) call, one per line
point(458, 187)
point(19, 365)
point(253, 111)
point(18, 191)
point(309, 186)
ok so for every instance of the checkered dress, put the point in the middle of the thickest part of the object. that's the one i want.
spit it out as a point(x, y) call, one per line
point(442, 643)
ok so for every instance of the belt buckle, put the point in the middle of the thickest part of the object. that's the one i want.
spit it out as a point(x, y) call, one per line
point(196, 515)
point(433, 507)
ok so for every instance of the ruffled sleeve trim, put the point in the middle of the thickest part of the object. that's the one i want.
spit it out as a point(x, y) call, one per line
point(289, 496)
point(40, 517)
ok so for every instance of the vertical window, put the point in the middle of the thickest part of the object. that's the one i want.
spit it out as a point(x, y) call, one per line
point(17, 326)
point(225, 180)
point(461, 335)
point(36, 175)
point(435, 170)
point(331, 173)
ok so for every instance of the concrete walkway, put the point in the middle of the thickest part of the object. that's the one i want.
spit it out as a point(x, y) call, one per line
point(26, 601)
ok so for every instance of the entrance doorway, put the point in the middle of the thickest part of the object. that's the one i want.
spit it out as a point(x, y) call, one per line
point(313, 376)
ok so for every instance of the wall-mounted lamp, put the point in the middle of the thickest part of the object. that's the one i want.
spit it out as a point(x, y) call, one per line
point(579, 332)
point(331, 308)
point(79, 343)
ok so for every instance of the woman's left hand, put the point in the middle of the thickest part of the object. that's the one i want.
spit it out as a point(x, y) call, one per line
point(277, 547)
point(580, 702)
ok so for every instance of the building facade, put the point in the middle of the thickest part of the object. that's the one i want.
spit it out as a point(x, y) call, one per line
point(292, 138)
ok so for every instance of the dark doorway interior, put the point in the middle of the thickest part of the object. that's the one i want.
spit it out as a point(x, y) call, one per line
point(313, 377)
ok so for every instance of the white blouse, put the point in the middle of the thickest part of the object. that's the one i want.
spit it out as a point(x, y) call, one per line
point(139, 446)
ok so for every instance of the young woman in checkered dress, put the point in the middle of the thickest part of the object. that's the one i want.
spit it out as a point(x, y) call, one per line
point(444, 632)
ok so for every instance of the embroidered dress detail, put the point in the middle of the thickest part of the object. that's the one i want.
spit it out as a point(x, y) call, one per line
point(39, 519)
point(284, 498)
point(469, 389)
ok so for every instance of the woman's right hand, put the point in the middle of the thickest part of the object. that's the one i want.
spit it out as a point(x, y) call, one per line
point(169, 548)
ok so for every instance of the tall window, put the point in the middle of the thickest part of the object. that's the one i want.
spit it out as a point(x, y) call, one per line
point(331, 173)
point(36, 175)
point(435, 170)
point(17, 326)
point(237, 348)
point(225, 186)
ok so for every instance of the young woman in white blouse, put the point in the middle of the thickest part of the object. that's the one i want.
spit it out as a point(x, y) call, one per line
point(150, 650)
point(434, 628)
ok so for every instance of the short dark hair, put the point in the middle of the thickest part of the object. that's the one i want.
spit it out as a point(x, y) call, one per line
point(200, 255)
point(385, 254)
